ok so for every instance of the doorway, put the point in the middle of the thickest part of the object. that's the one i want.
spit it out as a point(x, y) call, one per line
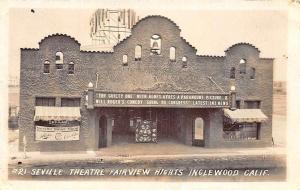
point(102, 142)
point(198, 132)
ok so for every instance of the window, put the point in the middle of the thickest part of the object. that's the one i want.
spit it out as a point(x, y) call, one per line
point(155, 44)
point(59, 60)
point(70, 102)
point(125, 60)
point(252, 73)
point(44, 101)
point(184, 62)
point(242, 66)
point(47, 67)
point(71, 68)
point(249, 104)
point(173, 54)
point(232, 73)
point(241, 131)
point(138, 52)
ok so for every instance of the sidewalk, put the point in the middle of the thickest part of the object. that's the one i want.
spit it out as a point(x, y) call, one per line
point(122, 154)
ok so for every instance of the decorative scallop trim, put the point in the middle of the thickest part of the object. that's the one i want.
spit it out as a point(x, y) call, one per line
point(156, 16)
point(211, 56)
point(29, 48)
point(59, 34)
point(242, 43)
point(95, 51)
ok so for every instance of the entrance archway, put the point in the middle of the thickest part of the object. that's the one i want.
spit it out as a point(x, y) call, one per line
point(198, 132)
point(102, 141)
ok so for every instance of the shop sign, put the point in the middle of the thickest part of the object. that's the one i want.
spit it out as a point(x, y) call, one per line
point(43, 133)
point(108, 99)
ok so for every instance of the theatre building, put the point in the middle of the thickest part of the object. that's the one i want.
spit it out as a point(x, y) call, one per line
point(151, 88)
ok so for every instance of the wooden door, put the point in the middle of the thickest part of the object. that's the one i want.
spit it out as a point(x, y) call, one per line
point(102, 132)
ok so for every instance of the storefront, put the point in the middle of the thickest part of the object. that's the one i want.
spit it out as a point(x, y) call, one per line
point(152, 117)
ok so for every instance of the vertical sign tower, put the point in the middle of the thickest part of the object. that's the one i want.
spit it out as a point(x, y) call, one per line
point(108, 27)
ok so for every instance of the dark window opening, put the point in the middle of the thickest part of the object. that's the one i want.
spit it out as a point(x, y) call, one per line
point(252, 73)
point(59, 58)
point(43, 101)
point(241, 131)
point(125, 60)
point(242, 66)
point(70, 102)
point(184, 62)
point(173, 54)
point(59, 66)
point(232, 73)
point(138, 53)
point(47, 67)
point(249, 104)
point(71, 68)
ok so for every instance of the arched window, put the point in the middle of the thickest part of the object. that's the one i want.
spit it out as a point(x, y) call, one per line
point(242, 66)
point(71, 68)
point(138, 52)
point(199, 129)
point(59, 57)
point(252, 73)
point(184, 62)
point(173, 54)
point(59, 60)
point(46, 67)
point(232, 73)
point(125, 60)
point(155, 45)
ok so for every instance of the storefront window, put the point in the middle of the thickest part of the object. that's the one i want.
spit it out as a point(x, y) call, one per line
point(44, 101)
point(252, 104)
point(70, 102)
point(241, 131)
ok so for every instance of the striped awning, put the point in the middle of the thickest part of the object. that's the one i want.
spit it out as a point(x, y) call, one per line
point(47, 113)
point(245, 115)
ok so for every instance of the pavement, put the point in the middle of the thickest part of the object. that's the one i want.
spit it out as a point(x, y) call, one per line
point(120, 154)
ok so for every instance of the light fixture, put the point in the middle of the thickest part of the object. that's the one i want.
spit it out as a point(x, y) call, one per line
point(90, 85)
point(232, 88)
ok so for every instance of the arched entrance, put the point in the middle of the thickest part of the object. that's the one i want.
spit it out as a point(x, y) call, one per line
point(198, 132)
point(102, 141)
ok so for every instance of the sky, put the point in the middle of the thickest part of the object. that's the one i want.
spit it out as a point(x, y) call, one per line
point(210, 31)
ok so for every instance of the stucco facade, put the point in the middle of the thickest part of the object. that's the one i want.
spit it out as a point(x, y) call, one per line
point(151, 73)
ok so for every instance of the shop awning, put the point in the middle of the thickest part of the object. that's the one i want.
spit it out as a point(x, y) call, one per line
point(245, 115)
point(47, 113)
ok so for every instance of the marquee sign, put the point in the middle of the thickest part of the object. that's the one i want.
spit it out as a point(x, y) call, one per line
point(139, 99)
point(57, 133)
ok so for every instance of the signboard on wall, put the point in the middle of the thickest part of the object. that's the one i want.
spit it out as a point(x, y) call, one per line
point(188, 100)
point(43, 133)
